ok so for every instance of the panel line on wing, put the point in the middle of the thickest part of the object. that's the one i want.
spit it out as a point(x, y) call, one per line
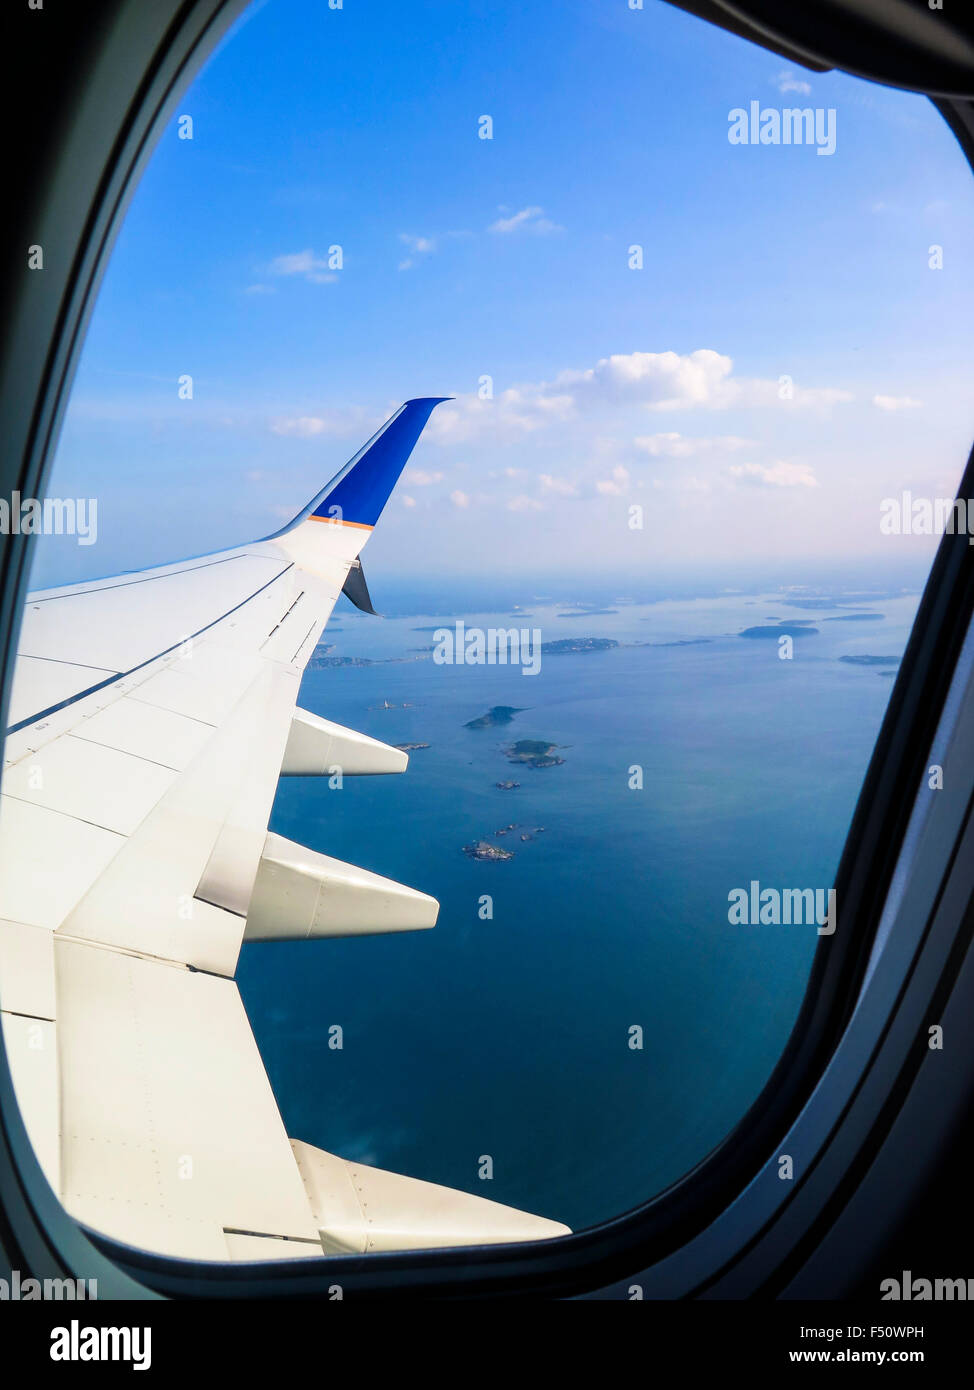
point(126, 582)
point(73, 699)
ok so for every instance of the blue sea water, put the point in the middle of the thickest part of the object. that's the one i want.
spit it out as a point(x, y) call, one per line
point(510, 1037)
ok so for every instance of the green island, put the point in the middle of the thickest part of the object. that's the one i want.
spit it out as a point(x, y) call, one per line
point(533, 752)
point(499, 714)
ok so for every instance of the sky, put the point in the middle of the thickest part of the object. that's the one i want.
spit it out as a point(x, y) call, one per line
point(498, 271)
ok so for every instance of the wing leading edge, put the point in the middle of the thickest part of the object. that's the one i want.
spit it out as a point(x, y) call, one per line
point(153, 715)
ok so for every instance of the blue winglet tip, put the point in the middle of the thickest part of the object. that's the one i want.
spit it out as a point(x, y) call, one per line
point(359, 496)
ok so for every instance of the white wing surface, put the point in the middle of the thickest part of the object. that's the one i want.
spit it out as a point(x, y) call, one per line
point(152, 715)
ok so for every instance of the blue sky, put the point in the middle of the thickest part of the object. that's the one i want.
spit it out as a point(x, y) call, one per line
point(508, 257)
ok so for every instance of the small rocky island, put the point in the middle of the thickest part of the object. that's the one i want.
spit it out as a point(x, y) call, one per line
point(533, 752)
point(484, 850)
point(565, 645)
point(507, 786)
point(499, 714)
point(410, 747)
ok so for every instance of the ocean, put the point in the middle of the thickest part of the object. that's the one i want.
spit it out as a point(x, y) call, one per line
point(510, 1038)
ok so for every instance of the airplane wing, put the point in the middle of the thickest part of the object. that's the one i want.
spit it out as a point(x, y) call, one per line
point(152, 714)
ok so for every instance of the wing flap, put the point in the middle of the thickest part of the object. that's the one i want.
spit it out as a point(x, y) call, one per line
point(170, 1133)
point(360, 1210)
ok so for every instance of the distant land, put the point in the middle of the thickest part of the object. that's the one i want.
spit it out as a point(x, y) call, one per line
point(810, 603)
point(409, 747)
point(499, 714)
point(853, 599)
point(578, 644)
point(588, 613)
point(780, 629)
point(685, 642)
point(507, 786)
point(533, 752)
point(871, 660)
point(854, 617)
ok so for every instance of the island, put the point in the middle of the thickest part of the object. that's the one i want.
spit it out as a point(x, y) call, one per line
point(684, 642)
point(797, 629)
point(809, 603)
point(871, 660)
point(499, 714)
point(854, 618)
point(483, 850)
point(409, 747)
point(321, 663)
point(578, 644)
point(533, 752)
point(507, 786)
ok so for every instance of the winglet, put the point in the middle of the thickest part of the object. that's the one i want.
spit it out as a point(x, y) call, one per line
point(359, 491)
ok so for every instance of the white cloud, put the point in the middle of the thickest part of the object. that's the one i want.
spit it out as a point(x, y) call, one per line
point(417, 246)
point(528, 219)
point(661, 380)
point(459, 499)
point(788, 82)
point(259, 289)
point(419, 477)
point(332, 422)
point(896, 402)
point(776, 475)
point(407, 501)
point(509, 417)
point(561, 486)
point(682, 381)
point(305, 263)
point(616, 485)
point(673, 445)
point(523, 503)
point(656, 381)
point(303, 427)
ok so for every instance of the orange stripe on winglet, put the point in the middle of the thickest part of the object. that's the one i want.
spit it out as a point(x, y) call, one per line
point(336, 521)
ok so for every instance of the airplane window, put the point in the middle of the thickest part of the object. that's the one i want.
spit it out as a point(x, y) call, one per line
point(684, 333)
